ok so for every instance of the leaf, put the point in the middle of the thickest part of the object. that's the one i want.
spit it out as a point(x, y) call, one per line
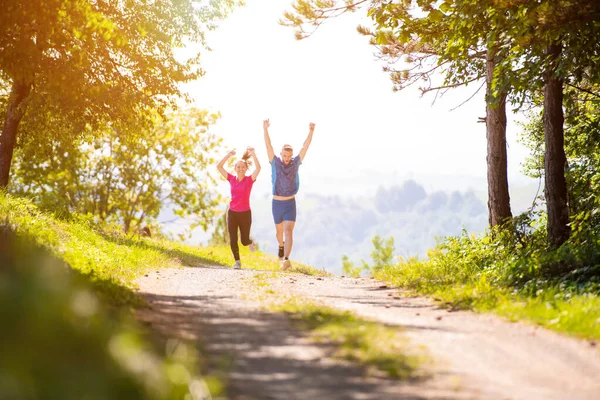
point(436, 15)
point(446, 7)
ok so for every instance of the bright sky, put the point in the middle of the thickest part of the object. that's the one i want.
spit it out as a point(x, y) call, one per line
point(258, 70)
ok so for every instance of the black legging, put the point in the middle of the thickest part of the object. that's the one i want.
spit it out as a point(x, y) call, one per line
point(243, 221)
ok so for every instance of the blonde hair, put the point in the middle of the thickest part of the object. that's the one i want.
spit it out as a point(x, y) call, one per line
point(246, 158)
point(287, 147)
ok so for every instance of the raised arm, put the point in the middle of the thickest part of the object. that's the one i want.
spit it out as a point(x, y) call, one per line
point(270, 152)
point(222, 163)
point(304, 149)
point(256, 163)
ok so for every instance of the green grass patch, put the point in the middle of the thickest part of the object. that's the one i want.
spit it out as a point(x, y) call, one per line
point(58, 341)
point(221, 255)
point(112, 262)
point(371, 344)
point(479, 274)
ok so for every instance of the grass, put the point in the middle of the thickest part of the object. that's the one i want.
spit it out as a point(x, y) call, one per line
point(113, 262)
point(221, 255)
point(58, 340)
point(374, 345)
point(572, 312)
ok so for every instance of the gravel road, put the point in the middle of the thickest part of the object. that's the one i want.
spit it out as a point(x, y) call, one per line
point(475, 356)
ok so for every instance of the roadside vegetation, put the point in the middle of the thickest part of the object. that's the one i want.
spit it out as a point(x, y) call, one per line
point(500, 272)
point(532, 266)
point(112, 260)
point(60, 341)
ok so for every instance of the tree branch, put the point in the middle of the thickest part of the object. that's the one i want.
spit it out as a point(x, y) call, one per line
point(584, 90)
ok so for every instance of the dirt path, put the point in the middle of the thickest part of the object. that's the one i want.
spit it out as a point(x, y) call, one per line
point(475, 356)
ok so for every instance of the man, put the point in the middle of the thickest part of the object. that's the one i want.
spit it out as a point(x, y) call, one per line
point(285, 179)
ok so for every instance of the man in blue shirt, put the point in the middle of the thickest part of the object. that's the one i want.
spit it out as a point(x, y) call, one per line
point(286, 181)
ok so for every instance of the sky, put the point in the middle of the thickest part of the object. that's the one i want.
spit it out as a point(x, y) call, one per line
point(258, 70)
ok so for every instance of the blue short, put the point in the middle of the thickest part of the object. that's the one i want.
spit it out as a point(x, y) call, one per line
point(284, 210)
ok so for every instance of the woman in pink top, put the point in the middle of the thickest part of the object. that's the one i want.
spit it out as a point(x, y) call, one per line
point(239, 215)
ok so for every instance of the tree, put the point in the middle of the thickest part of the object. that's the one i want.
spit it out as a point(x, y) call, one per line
point(552, 44)
point(126, 178)
point(95, 61)
point(582, 135)
point(455, 39)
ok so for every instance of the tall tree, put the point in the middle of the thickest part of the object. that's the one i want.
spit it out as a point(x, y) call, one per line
point(95, 60)
point(496, 158)
point(455, 39)
point(555, 160)
point(582, 136)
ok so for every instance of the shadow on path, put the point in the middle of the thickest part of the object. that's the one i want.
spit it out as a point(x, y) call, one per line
point(262, 355)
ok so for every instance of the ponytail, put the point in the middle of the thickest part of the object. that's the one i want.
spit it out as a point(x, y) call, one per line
point(246, 158)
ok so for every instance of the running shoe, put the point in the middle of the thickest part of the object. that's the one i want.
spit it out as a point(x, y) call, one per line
point(280, 253)
point(252, 246)
point(238, 265)
point(286, 264)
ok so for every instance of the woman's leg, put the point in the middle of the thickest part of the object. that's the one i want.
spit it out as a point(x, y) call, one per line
point(245, 222)
point(232, 227)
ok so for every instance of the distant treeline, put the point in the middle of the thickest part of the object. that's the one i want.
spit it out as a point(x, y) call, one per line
point(330, 226)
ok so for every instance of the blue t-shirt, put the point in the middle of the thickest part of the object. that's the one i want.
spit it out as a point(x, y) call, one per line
point(285, 178)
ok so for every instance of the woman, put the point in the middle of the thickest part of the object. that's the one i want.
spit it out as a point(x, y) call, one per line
point(239, 215)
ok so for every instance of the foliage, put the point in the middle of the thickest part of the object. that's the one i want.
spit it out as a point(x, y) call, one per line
point(582, 135)
point(125, 175)
point(220, 236)
point(94, 61)
point(59, 342)
point(349, 269)
point(383, 252)
point(113, 261)
point(421, 41)
point(512, 272)
point(382, 256)
point(572, 24)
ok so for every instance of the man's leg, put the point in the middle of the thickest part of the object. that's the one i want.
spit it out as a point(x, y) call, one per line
point(288, 229)
point(279, 233)
point(278, 211)
point(289, 221)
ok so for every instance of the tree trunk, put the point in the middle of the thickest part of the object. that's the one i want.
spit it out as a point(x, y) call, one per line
point(497, 176)
point(554, 157)
point(8, 137)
